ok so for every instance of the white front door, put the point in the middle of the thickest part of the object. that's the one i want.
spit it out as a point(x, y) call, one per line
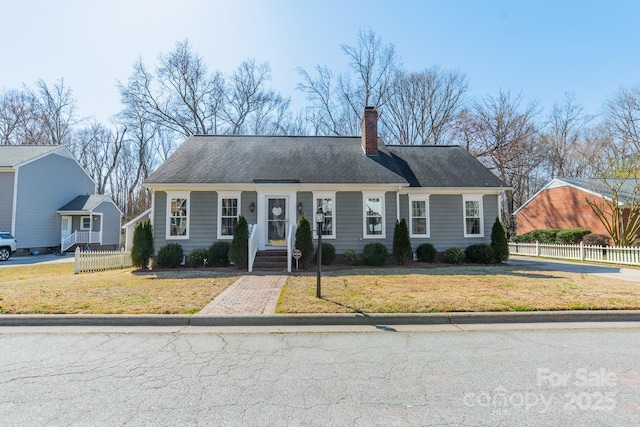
point(277, 220)
point(65, 228)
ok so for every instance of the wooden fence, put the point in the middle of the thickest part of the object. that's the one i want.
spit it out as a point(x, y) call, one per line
point(581, 252)
point(101, 260)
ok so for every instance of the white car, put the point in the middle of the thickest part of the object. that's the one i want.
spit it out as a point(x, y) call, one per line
point(8, 245)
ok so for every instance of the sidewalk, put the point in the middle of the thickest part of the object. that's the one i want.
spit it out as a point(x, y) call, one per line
point(248, 295)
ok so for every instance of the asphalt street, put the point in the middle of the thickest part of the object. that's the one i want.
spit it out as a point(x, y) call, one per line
point(385, 376)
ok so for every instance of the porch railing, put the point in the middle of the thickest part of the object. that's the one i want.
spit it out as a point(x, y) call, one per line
point(253, 245)
point(81, 238)
point(290, 245)
point(581, 252)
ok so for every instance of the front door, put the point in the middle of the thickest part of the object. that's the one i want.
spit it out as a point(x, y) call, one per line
point(65, 228)
point(277, 221)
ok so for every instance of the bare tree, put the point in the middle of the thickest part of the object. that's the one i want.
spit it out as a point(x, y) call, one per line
point(15, 112)
point(564, 139)
point(249, 105)
point(619, 207)
point(338, 107)
point(99, 150)
point(622, 113)
point(424, 106)
point(55, 109)
point(504, 136)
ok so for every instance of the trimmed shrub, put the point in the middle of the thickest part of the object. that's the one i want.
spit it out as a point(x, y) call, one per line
point(328, 254)
point(304, 242)
point(479, 254)
point(542, 236)
point(239, 249)
point(196, 258)
point(401, 242)
point(571, 236)
point(352, 257)
point(170, 256)
point(219, 254)
point(595, 240)
point(375, 254)
point(454, 256)
point(142, 248)
point(426, 252)
point(499, 243)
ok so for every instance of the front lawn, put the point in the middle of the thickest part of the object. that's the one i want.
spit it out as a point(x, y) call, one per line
point(448, 289)
point(53, 288)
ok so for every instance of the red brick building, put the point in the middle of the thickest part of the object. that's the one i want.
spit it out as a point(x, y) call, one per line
point(562, 204)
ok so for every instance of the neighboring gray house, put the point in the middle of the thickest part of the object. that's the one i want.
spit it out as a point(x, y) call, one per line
point(446, 196)
point(47, 200)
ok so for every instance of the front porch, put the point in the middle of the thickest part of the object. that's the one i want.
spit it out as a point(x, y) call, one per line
point(82, 239)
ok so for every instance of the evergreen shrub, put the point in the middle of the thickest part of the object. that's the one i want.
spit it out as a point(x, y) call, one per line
point(375, 254)
point(170, 255)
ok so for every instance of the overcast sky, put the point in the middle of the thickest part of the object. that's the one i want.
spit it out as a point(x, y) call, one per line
point(542, 49)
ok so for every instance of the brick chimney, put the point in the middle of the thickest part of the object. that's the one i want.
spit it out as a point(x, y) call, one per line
point(369, 126)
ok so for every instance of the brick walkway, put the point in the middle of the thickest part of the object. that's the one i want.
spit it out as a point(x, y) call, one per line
point(249, 295)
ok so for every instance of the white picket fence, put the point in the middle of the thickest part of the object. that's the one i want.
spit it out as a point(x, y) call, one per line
point(581, 252)
point(101, 260)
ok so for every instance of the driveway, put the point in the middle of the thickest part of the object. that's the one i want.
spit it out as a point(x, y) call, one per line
point(39, 259)
point(613, 272)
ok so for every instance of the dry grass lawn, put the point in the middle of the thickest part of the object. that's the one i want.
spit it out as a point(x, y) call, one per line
point(54, 289)
point(448, 289)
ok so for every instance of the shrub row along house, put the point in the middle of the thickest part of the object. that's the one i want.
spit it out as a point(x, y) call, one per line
point(48, 201)
point(363, 186)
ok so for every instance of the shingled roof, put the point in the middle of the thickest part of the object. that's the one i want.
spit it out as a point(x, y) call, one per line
point(84, 203)
point(206, 159)
point(15, 155)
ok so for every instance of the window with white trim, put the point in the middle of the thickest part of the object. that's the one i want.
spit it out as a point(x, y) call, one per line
point(327, 202)
point(85, 223)
point(228, 212)
point(177, 215)
point(473, 218)
point(374, 220)
point(419, 225)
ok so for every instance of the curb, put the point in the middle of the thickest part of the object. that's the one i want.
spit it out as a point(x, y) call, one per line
point(347, 319)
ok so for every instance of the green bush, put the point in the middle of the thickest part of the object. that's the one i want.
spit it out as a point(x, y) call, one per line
point(542, 236)
point(479, 254)
point(426, 252)
point(170, 256)
point(401, 242)
point(239, 249)
point(219, 254)
point(375, 254)
point(571, 236)
point(196, 258)
point(304, 242)
point(454, 256)
point(328, 254)
point(142, 248)
point(553, 236)
point(499, 242)
point(595, 240)
point(352, 257)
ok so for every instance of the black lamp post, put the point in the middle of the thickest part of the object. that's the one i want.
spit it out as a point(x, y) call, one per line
point(320, 224)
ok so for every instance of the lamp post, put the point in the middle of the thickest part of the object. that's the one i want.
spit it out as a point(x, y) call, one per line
point(319, 224)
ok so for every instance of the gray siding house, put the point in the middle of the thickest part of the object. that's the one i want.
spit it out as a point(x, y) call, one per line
point(47, 200)
point(445, 195)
